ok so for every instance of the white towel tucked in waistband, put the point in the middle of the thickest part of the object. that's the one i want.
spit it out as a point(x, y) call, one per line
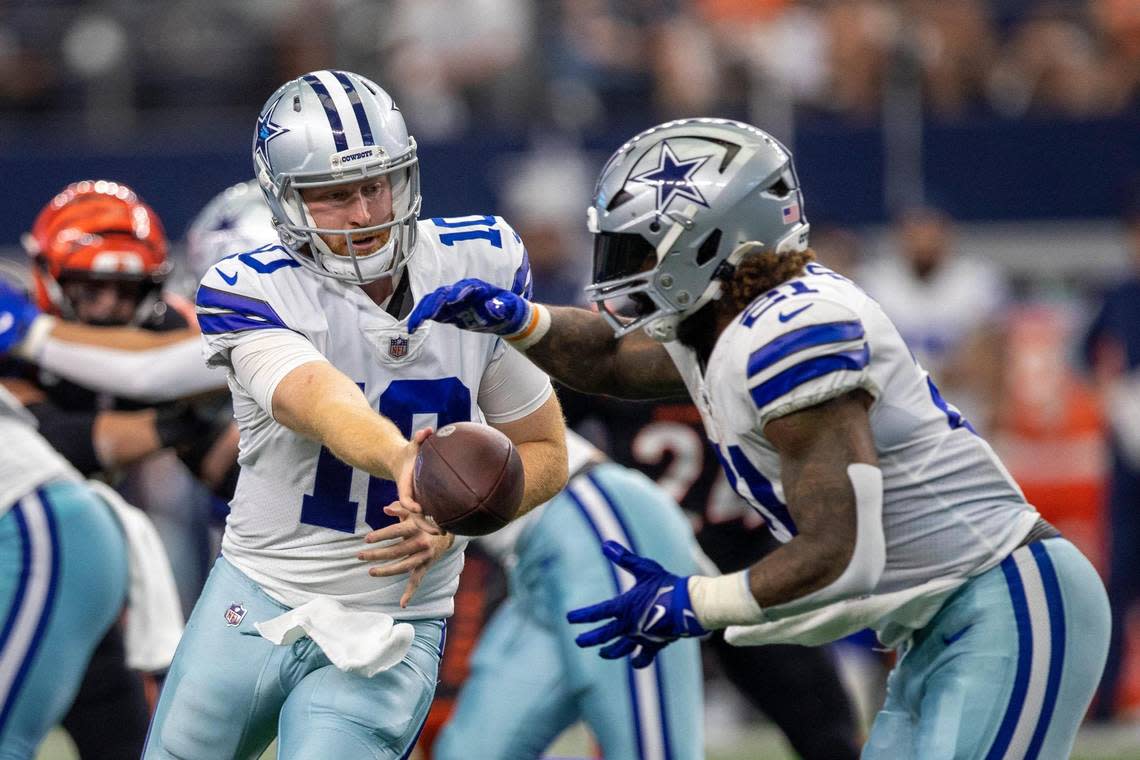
point(154, 614)
point(355, 641)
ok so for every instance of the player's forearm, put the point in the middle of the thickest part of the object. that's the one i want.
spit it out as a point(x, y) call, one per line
point(322, 404)
point(359, 437)
point(165, 373)
point(580, 350)
point(120, 338)
point(825, 563)
point(544, 465)
point(122, 438)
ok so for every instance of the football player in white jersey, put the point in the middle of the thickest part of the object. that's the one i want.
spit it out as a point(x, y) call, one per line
point(893, 513)
point(63, 580)
point(333, 396)
point(143, 365)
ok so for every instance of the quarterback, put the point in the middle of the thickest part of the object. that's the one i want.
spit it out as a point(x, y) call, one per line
point(323, 621)
point(892, 511)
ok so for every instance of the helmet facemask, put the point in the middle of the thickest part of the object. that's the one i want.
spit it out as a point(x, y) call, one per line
point(299, 232)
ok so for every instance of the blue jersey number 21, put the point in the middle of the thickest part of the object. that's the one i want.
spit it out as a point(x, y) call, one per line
point(329, 506)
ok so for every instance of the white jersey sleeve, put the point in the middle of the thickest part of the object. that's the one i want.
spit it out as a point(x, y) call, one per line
point(27, 461)
point(803, 351)
point(246, 294)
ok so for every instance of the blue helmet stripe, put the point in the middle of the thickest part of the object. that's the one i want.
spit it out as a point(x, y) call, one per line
point(357, 107)
point(330, 111)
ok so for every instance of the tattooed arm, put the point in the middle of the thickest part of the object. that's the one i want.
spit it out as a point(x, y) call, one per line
point(817, 445)
point(574, 346)
point(580, 350)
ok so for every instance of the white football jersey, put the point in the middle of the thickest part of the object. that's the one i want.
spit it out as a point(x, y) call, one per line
point(27, 461)
point(299, 513)
point(950, 508)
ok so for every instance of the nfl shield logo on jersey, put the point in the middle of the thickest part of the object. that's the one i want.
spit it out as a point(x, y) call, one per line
point(235, 613)
point(398, 348)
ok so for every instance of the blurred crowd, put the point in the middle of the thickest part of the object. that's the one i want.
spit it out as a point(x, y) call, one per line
point(575, 64)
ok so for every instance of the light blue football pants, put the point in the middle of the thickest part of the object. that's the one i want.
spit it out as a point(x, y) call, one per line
point(63, 581)
point(529, 681)
point(230, 691)
point(1007, 667)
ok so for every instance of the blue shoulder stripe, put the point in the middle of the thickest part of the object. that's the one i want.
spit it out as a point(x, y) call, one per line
point(523, 285)
point(252, 309)
point(216, 324)
point(793, 377)
point(800, 340)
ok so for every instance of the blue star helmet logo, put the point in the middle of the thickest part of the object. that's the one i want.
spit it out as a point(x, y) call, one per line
point(674, 178)
point(266, 131)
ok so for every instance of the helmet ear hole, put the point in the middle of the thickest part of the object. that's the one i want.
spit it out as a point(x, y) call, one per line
point(708, 249)
point(780, 188)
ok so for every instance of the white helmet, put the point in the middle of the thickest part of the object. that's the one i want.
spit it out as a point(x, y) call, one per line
point(678, 204)
point(329, 128)
point(234, 221)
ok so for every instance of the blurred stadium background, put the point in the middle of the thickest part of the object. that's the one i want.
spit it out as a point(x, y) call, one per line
point(1018, 119)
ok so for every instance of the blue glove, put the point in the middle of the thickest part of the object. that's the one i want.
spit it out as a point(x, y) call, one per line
point(651, 615)
point(473, 305)
point(16, 315)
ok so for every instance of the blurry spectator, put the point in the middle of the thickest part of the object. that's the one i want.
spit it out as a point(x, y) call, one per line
point(544, 196)
point(456, 64)
point(957, 47)
point(1119, 25)
point(1051, 65)
point(1112, 351)
point(947, 307)
point(606, 58)
point(769, 53)
point(862, 33)
point(837, 248)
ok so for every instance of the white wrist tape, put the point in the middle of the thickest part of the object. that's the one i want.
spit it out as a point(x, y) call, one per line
point(534, 330)
point(724, 600)
point(30, 348)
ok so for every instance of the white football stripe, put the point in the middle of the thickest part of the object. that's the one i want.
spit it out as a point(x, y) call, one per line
point(1039, 661)
point(646, 694)
point(35, 594)
point(343, 105)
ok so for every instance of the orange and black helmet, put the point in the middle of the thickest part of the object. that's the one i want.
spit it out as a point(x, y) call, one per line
point(96, 230)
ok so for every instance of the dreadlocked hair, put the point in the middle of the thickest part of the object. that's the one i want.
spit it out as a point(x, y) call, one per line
point(757, 273)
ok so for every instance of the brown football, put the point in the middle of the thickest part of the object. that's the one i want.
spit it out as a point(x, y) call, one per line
point(469, 479)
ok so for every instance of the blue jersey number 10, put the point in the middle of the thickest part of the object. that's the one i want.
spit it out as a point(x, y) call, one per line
point(329, 506)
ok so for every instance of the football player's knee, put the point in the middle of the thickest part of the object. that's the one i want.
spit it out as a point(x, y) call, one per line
point(321, 743)
point(200, 724)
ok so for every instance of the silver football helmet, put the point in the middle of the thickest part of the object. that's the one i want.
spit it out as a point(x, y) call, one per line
point(329, 128)
point(676, 204)
point(234, 221)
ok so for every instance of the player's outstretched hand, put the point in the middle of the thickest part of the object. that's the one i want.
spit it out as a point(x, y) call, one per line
point(474, 305)
point(405, 476)
point(413, 552)
point(17, 313)
point(644, 619)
